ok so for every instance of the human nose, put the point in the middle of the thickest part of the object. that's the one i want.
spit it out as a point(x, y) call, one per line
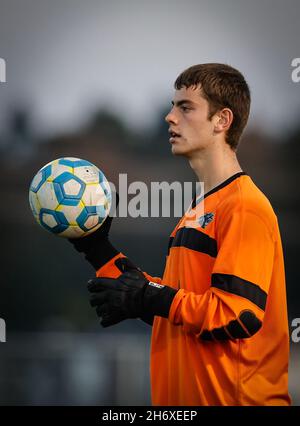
point(171, 117)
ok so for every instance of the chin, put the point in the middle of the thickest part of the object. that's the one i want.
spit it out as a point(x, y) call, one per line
point(176, 150)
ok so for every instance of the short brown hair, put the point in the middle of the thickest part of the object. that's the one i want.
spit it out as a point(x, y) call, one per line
point(223, 87)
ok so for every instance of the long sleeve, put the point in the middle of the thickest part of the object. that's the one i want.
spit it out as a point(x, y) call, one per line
point(233, 307)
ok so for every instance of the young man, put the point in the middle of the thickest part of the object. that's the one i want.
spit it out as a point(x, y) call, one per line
point(220, 332)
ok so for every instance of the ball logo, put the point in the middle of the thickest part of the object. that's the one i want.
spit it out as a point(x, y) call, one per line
point(2, 70)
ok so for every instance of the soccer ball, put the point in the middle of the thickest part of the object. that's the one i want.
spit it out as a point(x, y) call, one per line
point(70, 197)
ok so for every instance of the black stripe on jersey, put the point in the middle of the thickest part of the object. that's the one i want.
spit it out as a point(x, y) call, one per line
point(206, 335)
point(250, 322)
point(220, 334)
point(194, 240)
point(170, 243)
point(237, 331)
point(236, 285)
point(245, 326)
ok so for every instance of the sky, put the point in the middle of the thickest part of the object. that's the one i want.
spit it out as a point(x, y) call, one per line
point(65, 58)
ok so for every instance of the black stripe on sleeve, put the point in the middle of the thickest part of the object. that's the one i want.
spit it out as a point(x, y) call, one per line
point(220, 334)
point(237, 285)
point(206, 335)
point(195, 240)
point(250, 322)
point(234, 329)
point(170, 243)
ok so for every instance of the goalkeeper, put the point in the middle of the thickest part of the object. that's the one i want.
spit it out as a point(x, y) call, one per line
point(220, 329)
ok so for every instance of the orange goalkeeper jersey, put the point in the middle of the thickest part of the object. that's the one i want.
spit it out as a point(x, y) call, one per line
point(226, 341)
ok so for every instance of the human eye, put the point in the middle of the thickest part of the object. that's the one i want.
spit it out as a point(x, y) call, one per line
point(185, 108)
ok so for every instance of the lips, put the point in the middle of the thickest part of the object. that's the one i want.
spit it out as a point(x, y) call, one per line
point(173, 135)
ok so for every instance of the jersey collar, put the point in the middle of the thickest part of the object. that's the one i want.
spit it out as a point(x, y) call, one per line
point(217, 188)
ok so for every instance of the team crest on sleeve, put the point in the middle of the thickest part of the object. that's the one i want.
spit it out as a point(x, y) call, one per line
point(206, 219)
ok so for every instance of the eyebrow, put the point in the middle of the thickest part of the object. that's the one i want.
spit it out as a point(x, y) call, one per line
point(182, 101)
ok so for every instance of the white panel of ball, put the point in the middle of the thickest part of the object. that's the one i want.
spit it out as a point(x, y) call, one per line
point(88, 174)
point(71, 212)
point(58, 169)
point(93, 195)
point(72, 187)
point(47, 197)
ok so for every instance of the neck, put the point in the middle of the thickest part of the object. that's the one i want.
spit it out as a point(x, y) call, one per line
point(214, 164)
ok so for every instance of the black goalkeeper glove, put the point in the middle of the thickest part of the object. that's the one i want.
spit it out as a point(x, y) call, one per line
point(96, 246)
point(125, 265)
point(131, 295)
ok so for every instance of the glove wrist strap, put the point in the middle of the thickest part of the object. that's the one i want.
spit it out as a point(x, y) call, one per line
point(158, 301)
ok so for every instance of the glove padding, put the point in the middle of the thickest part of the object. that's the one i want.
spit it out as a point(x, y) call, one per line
point(131, 295)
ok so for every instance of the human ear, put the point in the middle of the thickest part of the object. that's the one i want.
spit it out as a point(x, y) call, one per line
point(223, 120)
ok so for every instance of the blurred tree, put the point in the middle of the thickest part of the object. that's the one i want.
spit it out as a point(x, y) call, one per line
point(110, 128)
